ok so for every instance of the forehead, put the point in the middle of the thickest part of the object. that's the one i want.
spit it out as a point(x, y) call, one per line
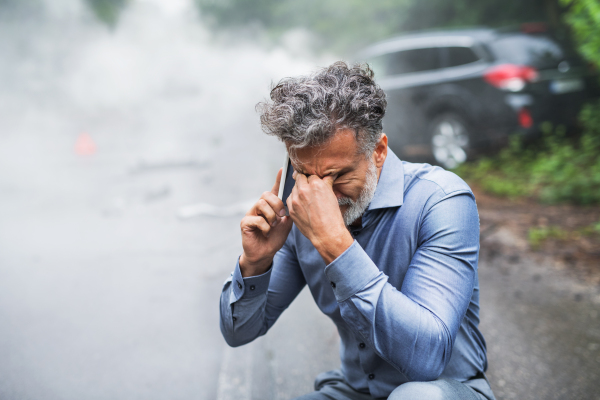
point(341, 151)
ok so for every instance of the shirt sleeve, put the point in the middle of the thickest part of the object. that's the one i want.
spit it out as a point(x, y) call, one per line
point(250, 306)
point(414, 327)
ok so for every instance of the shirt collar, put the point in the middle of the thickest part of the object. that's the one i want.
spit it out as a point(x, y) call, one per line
point(390, 188)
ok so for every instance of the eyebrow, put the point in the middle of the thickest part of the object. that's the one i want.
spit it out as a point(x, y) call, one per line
point(340, 172)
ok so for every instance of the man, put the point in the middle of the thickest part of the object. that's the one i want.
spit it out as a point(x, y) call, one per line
point(389, 249)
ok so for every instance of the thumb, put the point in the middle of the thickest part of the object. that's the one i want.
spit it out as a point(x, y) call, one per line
point(275, 189)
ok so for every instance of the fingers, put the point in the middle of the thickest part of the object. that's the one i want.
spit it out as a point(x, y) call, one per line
point(274, 202)
point(300, 179)
point(255, 222)
point(289, 202)
point(263, 208)
point(275, 189)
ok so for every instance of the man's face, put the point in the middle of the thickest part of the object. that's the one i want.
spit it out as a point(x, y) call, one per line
point(355, 175)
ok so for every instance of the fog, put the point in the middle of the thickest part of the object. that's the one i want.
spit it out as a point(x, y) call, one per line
point(127, 156)
point(157, 75)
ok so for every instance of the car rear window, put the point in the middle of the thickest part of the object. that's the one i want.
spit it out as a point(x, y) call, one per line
point(539, 51)
point(406, 62)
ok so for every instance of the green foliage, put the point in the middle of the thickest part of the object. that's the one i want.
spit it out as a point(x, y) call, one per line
point(537, 236)
point(348, 24)
point(592, 229)
point(556, 169)
point(107, 10)
point(583, 17)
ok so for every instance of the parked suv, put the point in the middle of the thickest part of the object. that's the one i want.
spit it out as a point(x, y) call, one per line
point(452, 93)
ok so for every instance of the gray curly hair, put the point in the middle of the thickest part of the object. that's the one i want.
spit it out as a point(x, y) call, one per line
point(307, 111)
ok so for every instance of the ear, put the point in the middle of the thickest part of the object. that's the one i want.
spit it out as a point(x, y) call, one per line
point(380, 152)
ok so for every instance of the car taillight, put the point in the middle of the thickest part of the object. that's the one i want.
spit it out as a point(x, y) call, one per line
point(525, 118)
point(510, 77)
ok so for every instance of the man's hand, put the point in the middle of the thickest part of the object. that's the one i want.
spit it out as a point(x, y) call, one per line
point(264, 231)
point(314, 209)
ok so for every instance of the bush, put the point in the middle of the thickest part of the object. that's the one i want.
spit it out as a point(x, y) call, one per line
point(556, 169)
point(583, 17)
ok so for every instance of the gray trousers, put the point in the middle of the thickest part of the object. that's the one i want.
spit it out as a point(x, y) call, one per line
point(332, 386)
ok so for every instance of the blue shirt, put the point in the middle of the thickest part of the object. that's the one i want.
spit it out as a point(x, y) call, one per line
point(404, 296)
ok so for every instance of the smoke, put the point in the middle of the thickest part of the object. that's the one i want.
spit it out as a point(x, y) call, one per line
point(158, 82)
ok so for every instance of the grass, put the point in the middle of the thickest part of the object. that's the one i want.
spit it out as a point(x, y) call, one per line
point(555, 169)
point(537, 236)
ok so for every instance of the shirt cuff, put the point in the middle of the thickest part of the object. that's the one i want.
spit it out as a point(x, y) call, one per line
point(251, 286)
point(351, 272)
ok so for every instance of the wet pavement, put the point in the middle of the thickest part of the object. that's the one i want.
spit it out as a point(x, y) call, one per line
point(111, 262)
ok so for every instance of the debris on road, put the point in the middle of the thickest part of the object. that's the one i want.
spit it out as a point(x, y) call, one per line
point(157, 194)
point(85, 146)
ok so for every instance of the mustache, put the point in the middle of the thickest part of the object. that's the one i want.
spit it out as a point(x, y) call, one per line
point(345, 201)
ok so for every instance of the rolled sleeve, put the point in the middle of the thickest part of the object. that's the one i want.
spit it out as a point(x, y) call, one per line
point(351, 272)
point(248, 287)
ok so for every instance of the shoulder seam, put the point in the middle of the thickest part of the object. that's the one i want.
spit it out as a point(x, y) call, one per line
point(440, 187)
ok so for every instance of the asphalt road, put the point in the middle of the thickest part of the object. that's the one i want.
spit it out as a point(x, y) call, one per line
point(109, 281)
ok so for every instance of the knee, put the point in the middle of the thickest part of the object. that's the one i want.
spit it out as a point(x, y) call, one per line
point(417, 391)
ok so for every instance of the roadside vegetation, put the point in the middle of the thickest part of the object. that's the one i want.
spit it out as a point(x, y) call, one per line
point(537, 236)
point(555, 169)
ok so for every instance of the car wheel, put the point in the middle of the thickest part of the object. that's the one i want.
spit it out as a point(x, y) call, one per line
point(449, 140)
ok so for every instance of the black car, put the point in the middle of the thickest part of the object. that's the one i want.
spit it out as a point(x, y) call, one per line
point(453, 93)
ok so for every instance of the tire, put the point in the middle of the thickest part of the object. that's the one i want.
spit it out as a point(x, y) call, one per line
point(449, 135)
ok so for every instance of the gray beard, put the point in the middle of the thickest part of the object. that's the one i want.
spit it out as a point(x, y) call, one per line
point(357, 207)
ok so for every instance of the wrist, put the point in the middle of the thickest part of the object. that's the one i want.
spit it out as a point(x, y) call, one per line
point(335, 245)
point(250, 267)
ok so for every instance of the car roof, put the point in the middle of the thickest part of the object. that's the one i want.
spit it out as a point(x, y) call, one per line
point(460, 37)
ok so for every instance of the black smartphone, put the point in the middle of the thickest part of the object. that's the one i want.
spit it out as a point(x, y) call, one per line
point(287, 182)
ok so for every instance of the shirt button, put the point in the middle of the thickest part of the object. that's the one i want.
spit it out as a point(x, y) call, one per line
point(234, 319)
point(361, 345)
point(252, 287)
point(371, 376)
point(333, 285)
point(239, 285)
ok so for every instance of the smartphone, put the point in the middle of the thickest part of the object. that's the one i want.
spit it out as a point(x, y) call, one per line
point(287, 182)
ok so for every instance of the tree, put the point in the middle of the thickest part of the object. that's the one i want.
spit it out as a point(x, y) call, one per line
point(107, 10)
point(347, 24)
